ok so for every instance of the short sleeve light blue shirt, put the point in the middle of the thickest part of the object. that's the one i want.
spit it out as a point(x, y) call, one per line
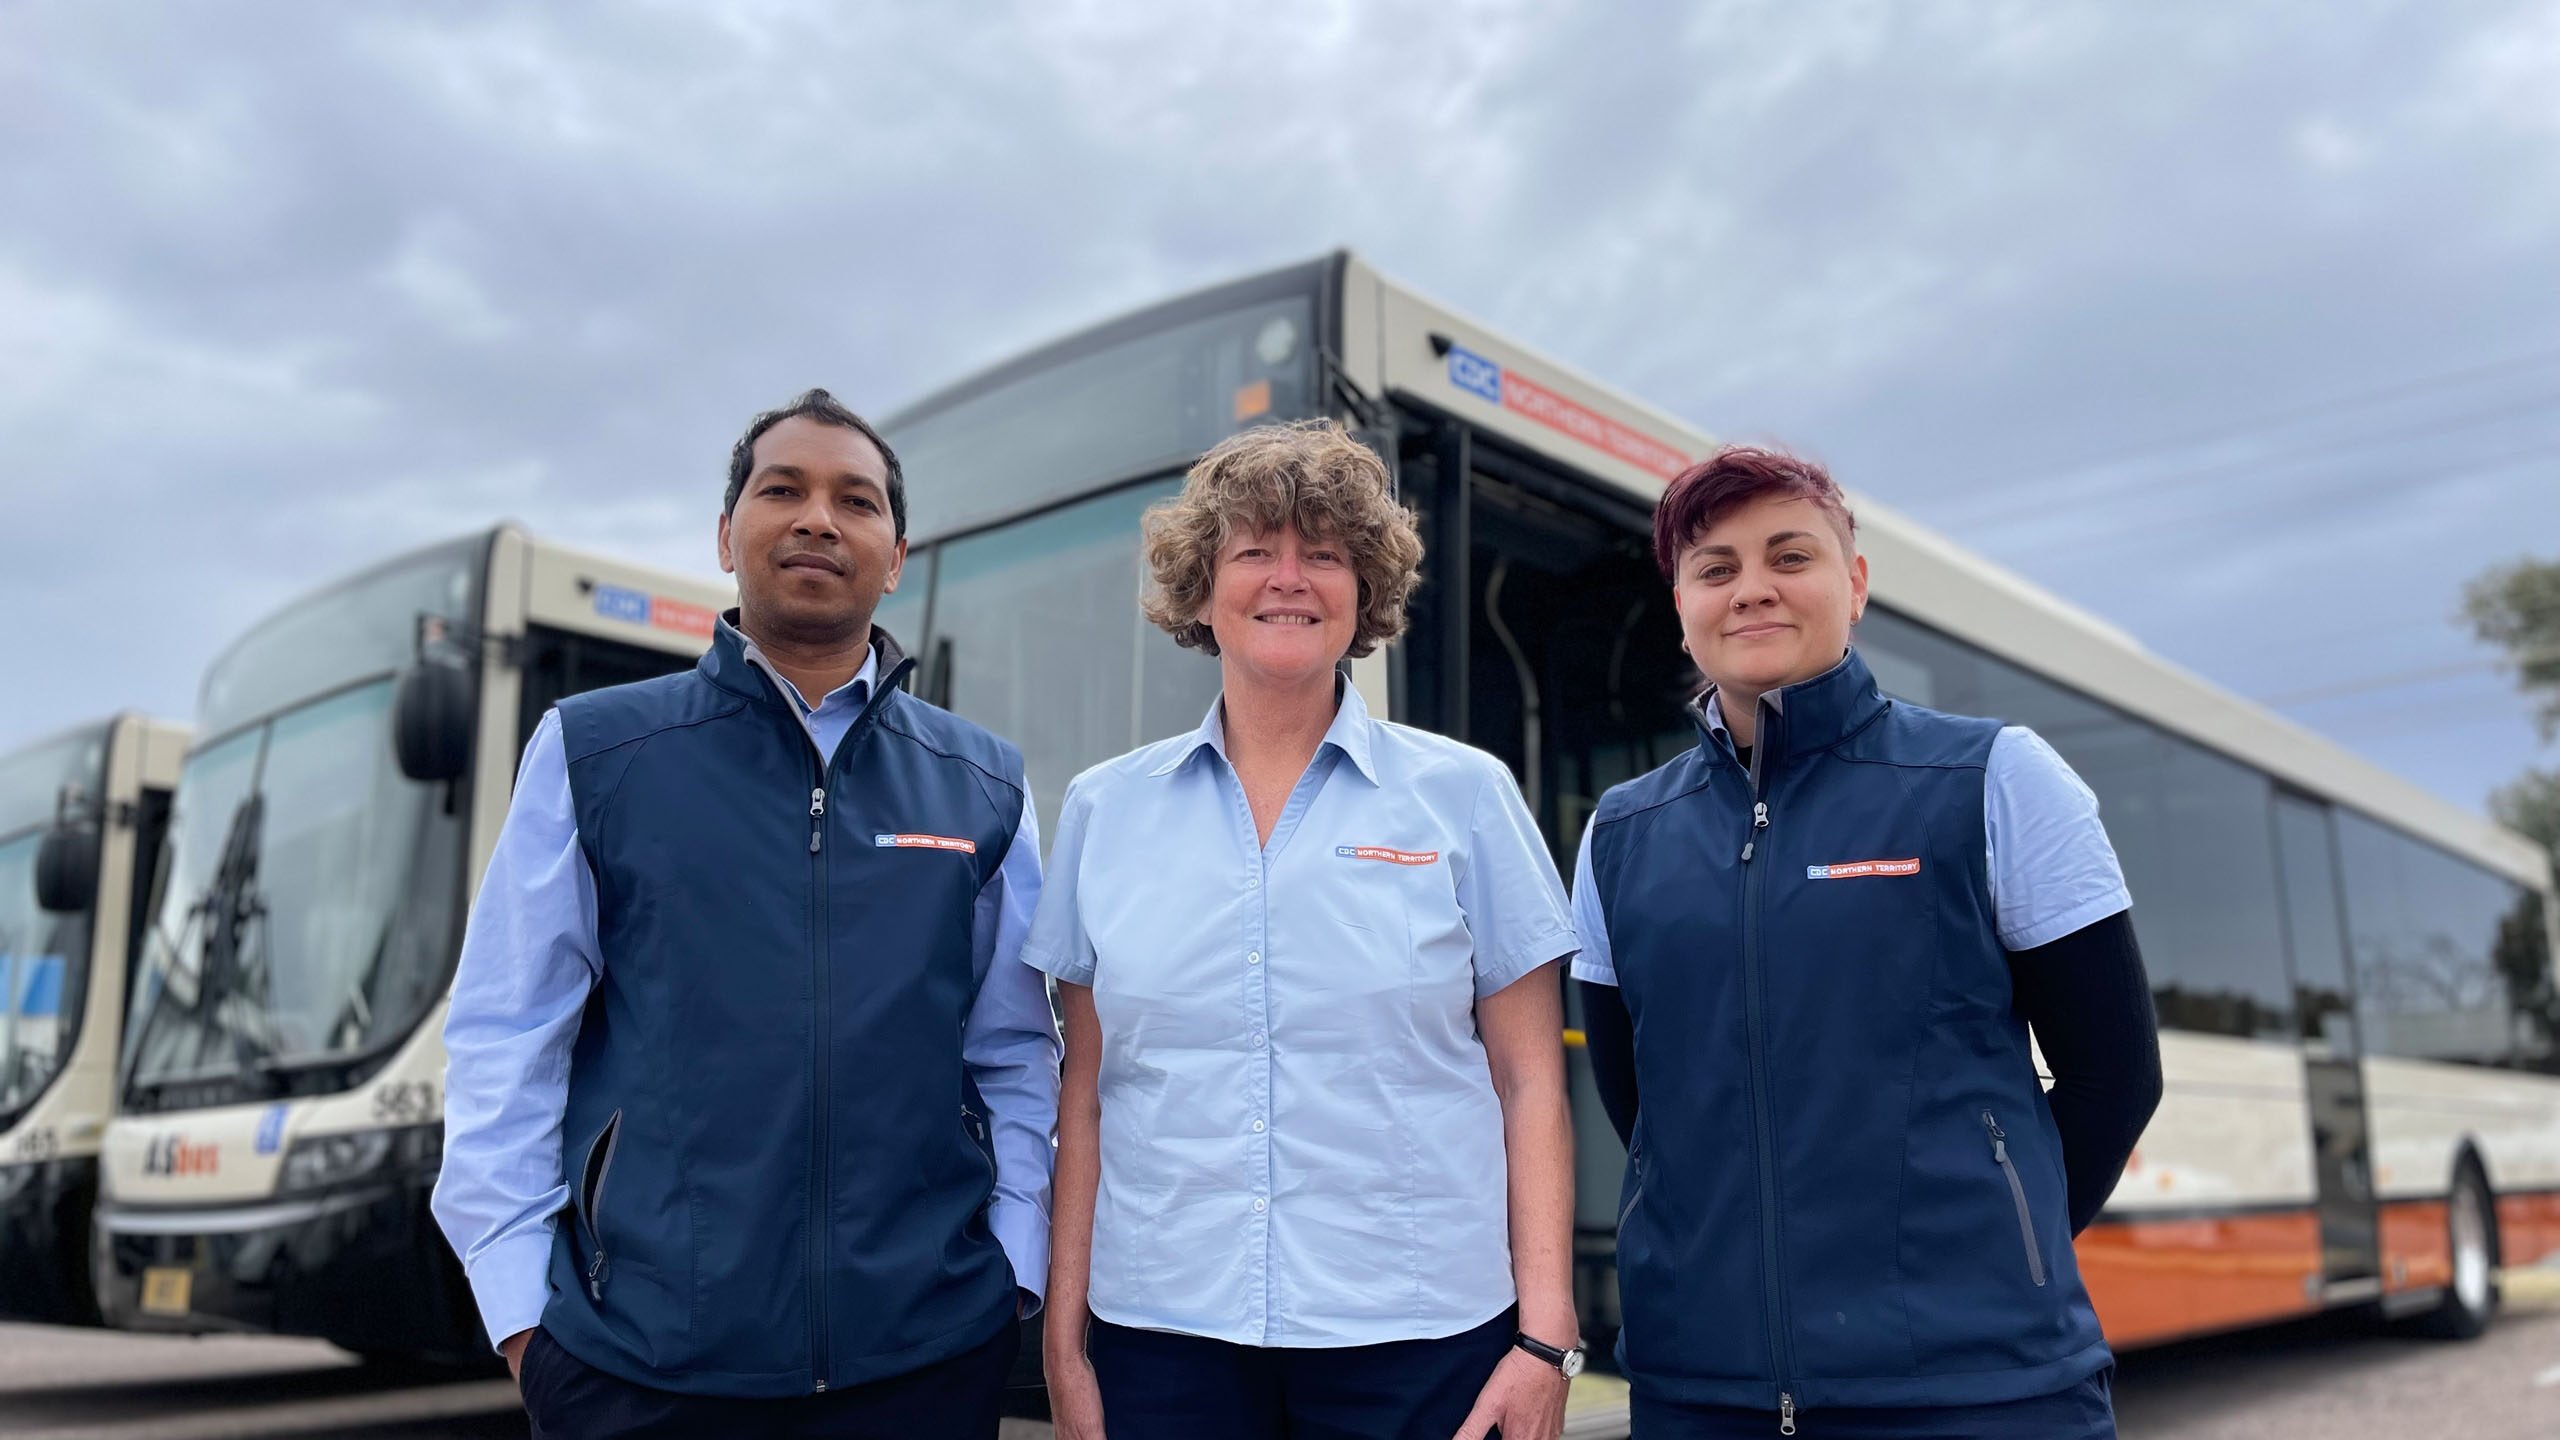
point(1301, 1145)
point(2053, 871)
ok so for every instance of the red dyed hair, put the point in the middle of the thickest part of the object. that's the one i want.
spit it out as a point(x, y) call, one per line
point(1737, 475)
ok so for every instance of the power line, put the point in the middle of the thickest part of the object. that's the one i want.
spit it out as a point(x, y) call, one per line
point(2401, 679)
point(2280, 419)
point(2116, 530)
point(2146, 483)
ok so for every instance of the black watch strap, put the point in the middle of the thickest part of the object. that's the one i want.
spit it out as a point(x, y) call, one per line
point(1542, 1350)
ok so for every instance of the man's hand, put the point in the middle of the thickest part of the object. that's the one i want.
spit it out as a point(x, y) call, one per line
point(513, 1348)
point(1525, 1397)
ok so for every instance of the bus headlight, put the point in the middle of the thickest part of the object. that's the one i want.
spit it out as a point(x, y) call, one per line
point(325, 1160)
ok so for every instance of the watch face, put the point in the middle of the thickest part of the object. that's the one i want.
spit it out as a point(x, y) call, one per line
point(1572, 1365)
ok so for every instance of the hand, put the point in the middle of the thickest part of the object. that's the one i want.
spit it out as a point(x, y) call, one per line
point(1525, 1397)
point(1075, 1399)
point(513, 1348)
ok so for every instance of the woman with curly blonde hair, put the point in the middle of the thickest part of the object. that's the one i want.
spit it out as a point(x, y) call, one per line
point(1314, 1166)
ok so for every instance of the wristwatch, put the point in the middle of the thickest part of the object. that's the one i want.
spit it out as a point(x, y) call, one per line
point(1567, 1361)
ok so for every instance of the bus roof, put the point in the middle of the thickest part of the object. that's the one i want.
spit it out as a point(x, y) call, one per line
point(1386, 340)
point(1398, 343)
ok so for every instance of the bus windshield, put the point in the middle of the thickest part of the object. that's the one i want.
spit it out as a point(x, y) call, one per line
point(44, 957)
point(1120, 407)
point(312, 895)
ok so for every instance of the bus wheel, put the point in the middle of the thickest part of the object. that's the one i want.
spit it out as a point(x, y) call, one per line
point(2471, 1296)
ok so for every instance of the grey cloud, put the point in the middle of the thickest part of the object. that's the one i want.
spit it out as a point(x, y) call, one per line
point(291, 287)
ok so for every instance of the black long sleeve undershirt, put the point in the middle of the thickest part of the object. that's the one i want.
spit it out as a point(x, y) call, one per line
point(2089, 1003)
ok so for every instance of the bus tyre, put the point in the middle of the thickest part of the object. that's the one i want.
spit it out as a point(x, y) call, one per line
point(2471, 1295)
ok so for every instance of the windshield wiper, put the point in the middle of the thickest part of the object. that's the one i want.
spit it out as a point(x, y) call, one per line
point(228, 981)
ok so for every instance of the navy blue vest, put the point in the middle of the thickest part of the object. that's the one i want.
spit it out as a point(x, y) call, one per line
point(1846, 1188)
point(778, 1169)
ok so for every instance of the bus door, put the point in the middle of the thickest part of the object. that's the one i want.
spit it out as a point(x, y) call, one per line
point(2332, 1051)
point(1543, 633)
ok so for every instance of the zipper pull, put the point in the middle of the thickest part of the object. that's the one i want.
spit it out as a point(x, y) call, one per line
point(595, 1277)
point(1786, 1413)
point(1759, 822)
point(817, 816)
point(1999, 1138)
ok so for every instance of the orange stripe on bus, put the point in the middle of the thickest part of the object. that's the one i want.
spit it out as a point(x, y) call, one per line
point(2159, 1280)
point(2417, 1254)
point(2528, 1227)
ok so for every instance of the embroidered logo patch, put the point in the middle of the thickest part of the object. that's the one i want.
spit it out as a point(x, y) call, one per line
point(1392, 857)
point(1859, 869)
point(925, 842)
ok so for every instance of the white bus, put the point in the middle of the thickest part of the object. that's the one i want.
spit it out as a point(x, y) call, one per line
point(81, 820)
point(280, 1112)
point(2354, 976)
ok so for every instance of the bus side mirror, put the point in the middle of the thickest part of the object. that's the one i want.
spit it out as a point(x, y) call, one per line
point(67, 866)
point(431, 720)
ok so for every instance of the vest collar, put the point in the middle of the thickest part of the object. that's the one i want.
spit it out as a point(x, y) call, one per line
point(726, 664)
point(1799, 719)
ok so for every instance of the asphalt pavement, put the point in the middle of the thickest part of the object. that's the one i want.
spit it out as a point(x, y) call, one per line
point(2336, 1379)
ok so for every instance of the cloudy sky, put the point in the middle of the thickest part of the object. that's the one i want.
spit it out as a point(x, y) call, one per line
point(2238, 324)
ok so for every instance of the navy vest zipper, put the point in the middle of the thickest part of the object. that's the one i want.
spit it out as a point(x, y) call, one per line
point(822, 1154)
point(821, 1178)
point(1773, 1287)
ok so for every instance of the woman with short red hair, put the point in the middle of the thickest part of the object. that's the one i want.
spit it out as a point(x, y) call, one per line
point(1813, 948)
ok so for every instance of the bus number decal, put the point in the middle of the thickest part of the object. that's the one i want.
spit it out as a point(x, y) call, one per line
point(39, 1142)
point(407, 1102)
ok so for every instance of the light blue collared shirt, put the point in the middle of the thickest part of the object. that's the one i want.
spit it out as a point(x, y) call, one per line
point(1301, 1145)
point(529, 959)
point(2053, 871)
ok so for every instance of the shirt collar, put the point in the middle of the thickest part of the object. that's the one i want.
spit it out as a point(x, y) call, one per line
point(867, 678)
point(1350, 732)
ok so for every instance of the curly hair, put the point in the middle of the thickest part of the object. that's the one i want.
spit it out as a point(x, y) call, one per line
point(1311, 476)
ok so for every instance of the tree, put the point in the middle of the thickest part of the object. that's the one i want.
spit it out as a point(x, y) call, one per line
point(2517, 608)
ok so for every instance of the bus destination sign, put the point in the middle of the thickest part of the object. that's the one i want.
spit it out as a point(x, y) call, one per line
point(1512, 391)
point(638, 607)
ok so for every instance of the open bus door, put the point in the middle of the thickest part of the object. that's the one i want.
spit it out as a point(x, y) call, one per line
point(1543, 633)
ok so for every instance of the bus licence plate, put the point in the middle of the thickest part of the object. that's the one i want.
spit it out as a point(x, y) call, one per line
point(166, 1289)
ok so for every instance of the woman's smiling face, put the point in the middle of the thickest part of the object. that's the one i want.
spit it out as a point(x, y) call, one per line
point(1767, 595)
point(1282, 606)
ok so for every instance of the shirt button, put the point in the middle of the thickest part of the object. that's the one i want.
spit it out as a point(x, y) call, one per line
point(1257, 1039)
point(1253, 957)
point(1257, 1127)
point(1260, 1205)
point(1253, 883)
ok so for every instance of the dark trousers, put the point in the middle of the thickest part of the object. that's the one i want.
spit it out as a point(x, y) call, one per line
point(956, 1399)
point(2086, 1411)
point(1161, 1386)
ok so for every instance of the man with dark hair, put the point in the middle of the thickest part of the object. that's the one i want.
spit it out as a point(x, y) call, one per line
point(749, 1100)
point(820, 406)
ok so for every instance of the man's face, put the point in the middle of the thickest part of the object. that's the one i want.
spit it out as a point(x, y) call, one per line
point(811, 540)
